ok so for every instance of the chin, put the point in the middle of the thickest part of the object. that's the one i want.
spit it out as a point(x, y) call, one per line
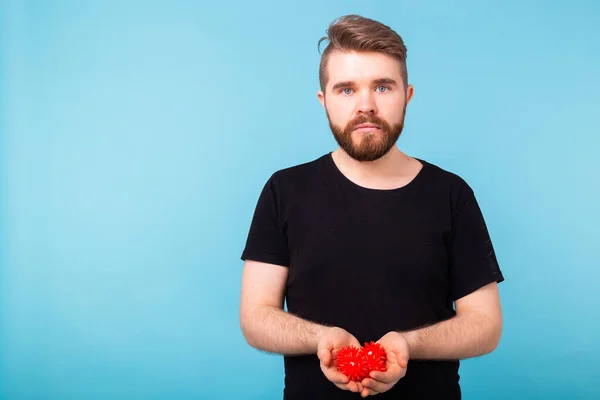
point(367, 142)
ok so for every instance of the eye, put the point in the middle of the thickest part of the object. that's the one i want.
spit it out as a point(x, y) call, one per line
point(382, 88)
point(346, 91)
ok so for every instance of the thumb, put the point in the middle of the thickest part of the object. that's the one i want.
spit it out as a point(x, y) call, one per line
point(354, 342)
point(324, 354)
point(403, 362)
point(396, 358)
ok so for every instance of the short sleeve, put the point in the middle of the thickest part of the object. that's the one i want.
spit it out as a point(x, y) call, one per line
point(473, 261)
point(267, 240)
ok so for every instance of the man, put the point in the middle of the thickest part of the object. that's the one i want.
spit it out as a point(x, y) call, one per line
point(369, 244)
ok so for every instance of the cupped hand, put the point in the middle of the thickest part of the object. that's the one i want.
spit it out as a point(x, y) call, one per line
point(397, 350)
point(330, 343)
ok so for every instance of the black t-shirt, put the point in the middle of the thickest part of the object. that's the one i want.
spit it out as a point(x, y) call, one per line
point(372, 261)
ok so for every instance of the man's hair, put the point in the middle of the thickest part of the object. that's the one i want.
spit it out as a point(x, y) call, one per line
point(360, 34)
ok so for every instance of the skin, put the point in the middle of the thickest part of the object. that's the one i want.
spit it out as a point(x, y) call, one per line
point(477, 326)
point(362, 85)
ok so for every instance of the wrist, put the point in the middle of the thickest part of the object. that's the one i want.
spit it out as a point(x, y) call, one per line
point(318, 333)
point(413, 342)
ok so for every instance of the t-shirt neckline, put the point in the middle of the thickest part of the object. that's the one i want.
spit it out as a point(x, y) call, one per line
point(338, 173)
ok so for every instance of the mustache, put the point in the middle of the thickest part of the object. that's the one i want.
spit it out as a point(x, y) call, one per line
point(366, 119)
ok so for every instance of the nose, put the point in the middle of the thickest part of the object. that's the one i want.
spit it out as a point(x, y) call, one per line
point(367, 104)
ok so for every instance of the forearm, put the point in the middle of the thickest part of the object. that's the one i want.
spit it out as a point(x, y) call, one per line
point(463, 336)
point(273, 330)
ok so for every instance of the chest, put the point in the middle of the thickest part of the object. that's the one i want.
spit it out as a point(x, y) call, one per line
point(396, 238)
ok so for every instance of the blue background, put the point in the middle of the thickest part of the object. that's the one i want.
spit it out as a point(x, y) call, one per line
point(136, 136)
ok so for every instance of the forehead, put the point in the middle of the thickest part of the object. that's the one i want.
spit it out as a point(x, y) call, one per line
point(361, 67)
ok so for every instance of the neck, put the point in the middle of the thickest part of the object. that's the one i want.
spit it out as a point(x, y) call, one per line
point(394, 169)
point(389, 164)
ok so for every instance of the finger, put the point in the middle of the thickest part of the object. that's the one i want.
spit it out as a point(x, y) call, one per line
point(376, 386)
point(334, 353)
point(325, 357)
point(391, 376)
point(359, 387)
point(368, 392)
point(347, 387)
point(353, 386)
point(398, 358)
point(325, 352)
point(403, 362)
point(335, 376)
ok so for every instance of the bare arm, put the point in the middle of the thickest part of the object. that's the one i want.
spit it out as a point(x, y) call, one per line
point(265, 325)
point(474, 331)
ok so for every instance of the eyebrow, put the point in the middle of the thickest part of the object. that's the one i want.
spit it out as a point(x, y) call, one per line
point(379, 81)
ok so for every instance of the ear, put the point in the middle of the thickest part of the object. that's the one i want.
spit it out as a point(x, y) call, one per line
point(410, 91)
point(321, 97)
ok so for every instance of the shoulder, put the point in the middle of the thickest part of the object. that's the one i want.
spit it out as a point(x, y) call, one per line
point(444, 178)
point(448, 185)
point(298, 175)
point(289, 185)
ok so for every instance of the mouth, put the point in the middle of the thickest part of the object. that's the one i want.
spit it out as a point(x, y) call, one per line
point(367, 127)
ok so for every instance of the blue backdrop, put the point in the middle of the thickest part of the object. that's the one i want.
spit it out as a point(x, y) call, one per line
point(136, 136)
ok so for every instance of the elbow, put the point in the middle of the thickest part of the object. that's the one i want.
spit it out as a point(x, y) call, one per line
point(251, 339)
point(246, 329)
point(494, 335)
point(247, 326)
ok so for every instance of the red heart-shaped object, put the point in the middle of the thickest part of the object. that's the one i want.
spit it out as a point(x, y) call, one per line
point(356, 363)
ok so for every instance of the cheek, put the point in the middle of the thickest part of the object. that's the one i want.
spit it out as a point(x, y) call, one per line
point(391, 109)
point(391, 102)
point(340, 112)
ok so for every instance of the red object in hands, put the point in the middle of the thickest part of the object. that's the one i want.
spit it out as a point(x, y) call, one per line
point(351, 362)
point(357, 363)
point(375, 357)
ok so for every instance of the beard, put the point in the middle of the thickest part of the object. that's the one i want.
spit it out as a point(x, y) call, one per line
point(372, 145)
